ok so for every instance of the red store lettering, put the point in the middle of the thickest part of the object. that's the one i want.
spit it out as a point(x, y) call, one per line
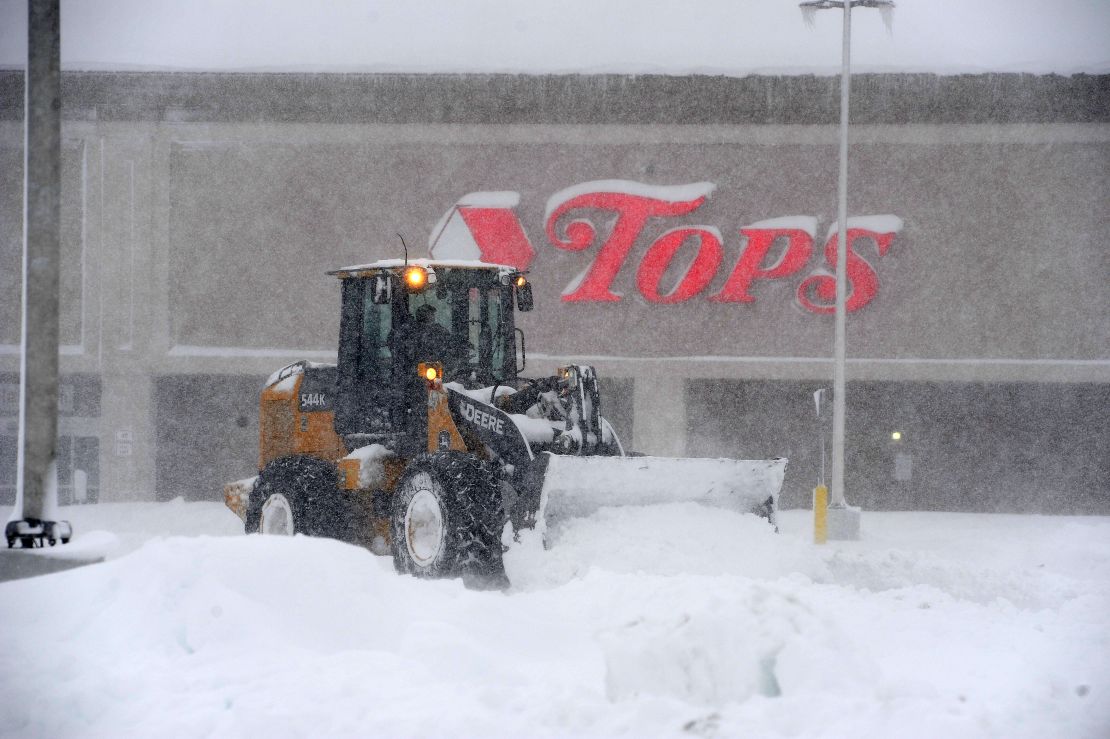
point(772, 250)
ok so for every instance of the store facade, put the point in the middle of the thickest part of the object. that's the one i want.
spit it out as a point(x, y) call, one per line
point(678, 232)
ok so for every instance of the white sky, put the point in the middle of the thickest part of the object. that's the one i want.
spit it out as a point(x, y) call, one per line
point(647, 36)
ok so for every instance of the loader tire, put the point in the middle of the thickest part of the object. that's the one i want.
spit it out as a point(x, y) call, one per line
point(297, 495)
point(447, 520)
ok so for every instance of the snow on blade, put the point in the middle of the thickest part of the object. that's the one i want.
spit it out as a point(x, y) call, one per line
point(579, 486)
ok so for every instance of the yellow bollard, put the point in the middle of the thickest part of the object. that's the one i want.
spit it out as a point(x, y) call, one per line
point(820, 514)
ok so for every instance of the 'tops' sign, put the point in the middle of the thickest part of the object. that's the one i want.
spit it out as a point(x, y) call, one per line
point(484, 226)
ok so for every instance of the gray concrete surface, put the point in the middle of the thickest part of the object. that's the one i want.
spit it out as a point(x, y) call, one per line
point(17, 564)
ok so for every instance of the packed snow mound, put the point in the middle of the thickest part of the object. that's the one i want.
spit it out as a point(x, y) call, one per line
point(740, 642)
point(653, 621)
point(114, 529)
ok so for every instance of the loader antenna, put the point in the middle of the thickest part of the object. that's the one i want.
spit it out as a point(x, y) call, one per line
point(406, 248)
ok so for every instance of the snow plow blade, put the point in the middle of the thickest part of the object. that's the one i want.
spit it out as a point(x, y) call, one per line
point(577, 486)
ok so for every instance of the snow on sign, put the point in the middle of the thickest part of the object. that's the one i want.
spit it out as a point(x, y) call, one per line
point(484, 225)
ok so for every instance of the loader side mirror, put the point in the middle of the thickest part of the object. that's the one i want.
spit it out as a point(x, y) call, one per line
point(524, 300)
point(381, 290)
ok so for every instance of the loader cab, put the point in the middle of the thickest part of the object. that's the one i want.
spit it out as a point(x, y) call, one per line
point(395, 315)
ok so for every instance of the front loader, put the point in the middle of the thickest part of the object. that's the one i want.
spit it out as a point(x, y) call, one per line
point(426, 443)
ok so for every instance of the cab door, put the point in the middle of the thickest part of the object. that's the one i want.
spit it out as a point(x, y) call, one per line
point(372, 398)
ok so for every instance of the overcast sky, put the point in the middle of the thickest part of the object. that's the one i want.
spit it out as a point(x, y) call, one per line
point(709, 36)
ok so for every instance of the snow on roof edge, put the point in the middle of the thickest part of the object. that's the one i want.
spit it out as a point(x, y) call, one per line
point(424, 262)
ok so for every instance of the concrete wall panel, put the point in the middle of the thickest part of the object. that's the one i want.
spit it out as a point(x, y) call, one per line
point(73, 266)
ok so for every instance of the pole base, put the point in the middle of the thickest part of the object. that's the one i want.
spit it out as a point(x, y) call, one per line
point(33, 532)
point(842, 523)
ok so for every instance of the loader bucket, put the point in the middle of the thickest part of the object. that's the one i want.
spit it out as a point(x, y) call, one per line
point(578, 486)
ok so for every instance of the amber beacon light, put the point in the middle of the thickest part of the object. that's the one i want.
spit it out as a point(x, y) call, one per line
point(415, 278)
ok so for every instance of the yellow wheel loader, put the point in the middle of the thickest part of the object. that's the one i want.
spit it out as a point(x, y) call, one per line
point(426, 443)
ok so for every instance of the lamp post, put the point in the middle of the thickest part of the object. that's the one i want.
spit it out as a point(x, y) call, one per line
point(838, 502)
point(36, 477)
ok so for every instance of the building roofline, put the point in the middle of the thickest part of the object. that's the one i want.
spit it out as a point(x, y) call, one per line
point(569, 99)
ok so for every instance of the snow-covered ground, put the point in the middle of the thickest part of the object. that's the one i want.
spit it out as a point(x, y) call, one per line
point(673, 620)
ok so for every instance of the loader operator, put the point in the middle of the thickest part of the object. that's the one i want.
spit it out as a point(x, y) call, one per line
point(424, 339)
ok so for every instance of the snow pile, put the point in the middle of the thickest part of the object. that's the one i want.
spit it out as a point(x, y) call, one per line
point(653, 621)
point(729, 650)
point(115, 529)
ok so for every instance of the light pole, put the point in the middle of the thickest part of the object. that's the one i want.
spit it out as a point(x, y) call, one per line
point(36, 477)
point(838, 502)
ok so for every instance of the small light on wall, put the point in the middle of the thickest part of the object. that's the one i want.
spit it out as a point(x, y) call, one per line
point(897, 436)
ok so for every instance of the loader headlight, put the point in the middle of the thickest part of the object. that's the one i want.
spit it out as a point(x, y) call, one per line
point(568, 377)
point(431, 373)
point(416, 278)
point(520, 281)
